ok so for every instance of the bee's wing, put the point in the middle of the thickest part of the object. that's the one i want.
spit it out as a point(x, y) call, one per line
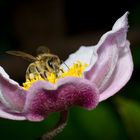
point(24, 55)
point(42, 49)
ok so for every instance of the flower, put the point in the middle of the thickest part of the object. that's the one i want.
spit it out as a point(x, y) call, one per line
point(92, 75)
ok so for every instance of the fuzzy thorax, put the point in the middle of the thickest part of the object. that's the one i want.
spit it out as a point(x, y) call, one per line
point(76, 70)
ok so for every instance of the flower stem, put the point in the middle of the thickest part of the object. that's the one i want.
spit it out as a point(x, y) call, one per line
point(58, 128)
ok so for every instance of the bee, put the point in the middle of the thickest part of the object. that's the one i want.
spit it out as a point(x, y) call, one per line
point(44, 63)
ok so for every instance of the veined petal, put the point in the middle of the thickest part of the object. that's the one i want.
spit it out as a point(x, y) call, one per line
point(44, 98)
point(105, 65)
point(109, 49)
point(12, 96)
point(121, 74)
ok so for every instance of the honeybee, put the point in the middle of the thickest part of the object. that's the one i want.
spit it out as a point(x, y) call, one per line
point(42, 64)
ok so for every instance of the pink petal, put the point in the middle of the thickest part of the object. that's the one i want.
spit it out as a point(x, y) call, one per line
point(12, 96)
point(105, 65)
point(44, 98)
point(121, 75)
point(4, 114)
point(110, 49)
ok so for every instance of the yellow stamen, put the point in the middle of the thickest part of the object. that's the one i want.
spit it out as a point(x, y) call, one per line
point(76, 70)
point(28, 83)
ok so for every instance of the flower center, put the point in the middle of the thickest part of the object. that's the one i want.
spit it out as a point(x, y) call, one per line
point(76, 70)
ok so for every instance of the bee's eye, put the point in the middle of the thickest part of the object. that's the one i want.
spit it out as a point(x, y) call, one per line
point(50, 63)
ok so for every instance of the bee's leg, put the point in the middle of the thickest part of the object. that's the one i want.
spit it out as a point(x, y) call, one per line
point(40, 72)
point(31, 72)
point(61, 70)
point(38, 69)
point(43, 74)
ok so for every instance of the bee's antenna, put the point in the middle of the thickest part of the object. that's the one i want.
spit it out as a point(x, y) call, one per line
point(64, 64)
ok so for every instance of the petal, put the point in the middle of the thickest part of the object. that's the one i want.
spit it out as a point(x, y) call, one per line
point(6, 115)
point(105, 65)
point(12, 96)
point(44, 98)
point(121, 75)
point(109, 50)
point(86, 55)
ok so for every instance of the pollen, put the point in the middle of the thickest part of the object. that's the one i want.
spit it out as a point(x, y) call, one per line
point(29, 82)
point(76, 70)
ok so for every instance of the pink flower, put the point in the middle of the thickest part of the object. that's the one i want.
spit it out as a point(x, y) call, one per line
point(96, 73)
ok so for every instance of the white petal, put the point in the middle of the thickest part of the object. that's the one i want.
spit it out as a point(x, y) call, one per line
point(6, 76)
point(86, 55)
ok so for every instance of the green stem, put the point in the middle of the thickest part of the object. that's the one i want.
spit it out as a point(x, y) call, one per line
point(58, 128)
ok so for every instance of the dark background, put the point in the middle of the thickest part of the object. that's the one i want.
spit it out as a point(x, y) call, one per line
point(63, 26)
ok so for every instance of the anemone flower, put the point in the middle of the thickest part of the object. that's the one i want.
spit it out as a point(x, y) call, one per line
point(94, 74)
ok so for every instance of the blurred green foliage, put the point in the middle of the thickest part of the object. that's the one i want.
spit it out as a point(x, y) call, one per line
point(130, 114)
point(136, 55)
point(25, 130)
